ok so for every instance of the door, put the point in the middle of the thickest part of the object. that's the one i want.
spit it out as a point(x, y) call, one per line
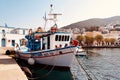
point(3, 42)
point(13, 42)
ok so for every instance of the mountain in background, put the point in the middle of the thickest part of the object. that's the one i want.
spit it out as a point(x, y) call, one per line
point(93, 22)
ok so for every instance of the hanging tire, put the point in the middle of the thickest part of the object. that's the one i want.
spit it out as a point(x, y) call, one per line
point(7, 52)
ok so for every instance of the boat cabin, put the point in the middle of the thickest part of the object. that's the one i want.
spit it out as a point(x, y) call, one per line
point(60, 40)
point(47, 40)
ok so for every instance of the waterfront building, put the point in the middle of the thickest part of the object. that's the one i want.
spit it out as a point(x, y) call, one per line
point(9, 36)
point(74, 35)
point(112, 34)
point(117, 27)
point(92, 34)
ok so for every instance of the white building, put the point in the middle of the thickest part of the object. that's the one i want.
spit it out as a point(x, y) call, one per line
point(11, 35)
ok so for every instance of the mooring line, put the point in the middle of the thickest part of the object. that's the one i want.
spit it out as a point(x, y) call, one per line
point(46, 73)
point(42, 75)
point(87, 74)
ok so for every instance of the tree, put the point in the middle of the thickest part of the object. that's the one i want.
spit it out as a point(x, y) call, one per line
point(99, 39)
point(89, 40)
point(106, 41)
point(80, 38)
point(112, 40)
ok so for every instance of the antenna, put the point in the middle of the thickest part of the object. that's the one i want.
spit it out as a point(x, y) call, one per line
point(53, 15)
point(45, 18)
point(51, 8)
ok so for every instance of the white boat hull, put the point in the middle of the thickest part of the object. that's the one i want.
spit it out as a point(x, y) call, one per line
point(81, 53)
point(59, 57)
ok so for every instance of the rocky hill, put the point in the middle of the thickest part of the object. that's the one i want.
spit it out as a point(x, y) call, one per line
point(93, 22)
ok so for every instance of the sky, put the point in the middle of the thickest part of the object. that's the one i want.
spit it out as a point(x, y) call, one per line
point(29, 13)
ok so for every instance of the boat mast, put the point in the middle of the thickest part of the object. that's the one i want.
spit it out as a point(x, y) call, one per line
point(45, 18)
point(53, 17)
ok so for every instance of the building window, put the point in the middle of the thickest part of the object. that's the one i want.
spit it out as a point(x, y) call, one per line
point(3, 32)
point(23, 31)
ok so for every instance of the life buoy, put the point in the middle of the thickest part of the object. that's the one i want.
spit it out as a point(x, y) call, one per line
point(8, 52)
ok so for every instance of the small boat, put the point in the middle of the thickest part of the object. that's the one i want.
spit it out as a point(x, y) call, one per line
point(80, 51)
point(48, 48)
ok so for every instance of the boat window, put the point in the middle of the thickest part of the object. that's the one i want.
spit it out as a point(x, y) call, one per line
point(68, 38)
point(63, 38)
point(48, 42)
point(59, 37)
point(56, 38)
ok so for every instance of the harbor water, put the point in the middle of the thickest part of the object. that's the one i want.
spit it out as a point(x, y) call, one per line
point(45, 72)
point(106, 65)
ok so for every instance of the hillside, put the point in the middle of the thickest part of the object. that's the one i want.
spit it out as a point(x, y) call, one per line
point(94, 22)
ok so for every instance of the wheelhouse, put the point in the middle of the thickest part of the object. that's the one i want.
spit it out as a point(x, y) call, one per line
point(45, 40)
point(60, 40)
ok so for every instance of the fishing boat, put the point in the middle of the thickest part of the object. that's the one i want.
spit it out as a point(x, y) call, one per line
point(49, 48)
point(80, 51)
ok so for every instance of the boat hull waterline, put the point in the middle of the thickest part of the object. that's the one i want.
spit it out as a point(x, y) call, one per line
point(62, 57)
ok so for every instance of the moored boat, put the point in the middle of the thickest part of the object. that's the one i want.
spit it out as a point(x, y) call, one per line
point(80, 51)
point(49, 48)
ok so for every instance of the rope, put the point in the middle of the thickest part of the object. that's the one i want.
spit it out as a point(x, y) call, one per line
point(44, 67)
point(80, 65)
point(89, 77)
point(41, 69)
point(44, 74)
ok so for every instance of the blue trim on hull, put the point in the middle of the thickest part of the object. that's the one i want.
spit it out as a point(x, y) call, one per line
point(35, 52)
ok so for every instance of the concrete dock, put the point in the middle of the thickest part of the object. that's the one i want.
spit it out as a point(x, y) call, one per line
point(10, 70)
point(80, 72)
